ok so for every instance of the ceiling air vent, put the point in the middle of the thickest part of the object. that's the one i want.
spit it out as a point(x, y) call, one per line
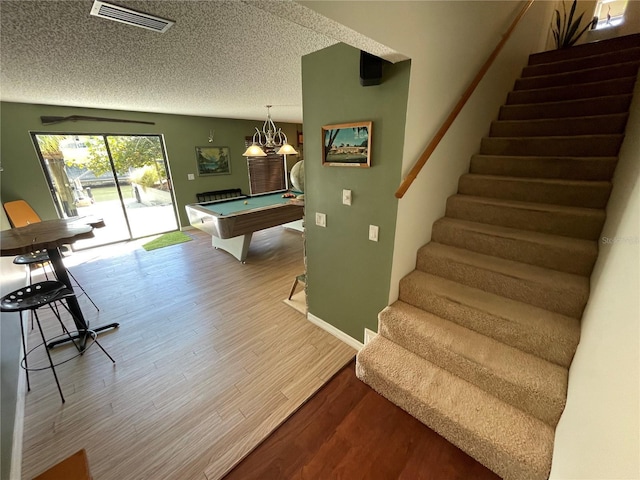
point(130, 17)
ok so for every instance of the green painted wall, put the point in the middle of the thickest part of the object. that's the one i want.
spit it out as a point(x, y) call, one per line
point(348, 276)
point(23, 177)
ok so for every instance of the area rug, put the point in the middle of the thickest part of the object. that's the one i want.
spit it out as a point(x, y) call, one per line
point(171, 238)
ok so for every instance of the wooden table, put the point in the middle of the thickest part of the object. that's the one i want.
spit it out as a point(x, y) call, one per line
point(50, 235)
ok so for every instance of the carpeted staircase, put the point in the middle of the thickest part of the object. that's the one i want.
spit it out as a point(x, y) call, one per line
point(479, 343)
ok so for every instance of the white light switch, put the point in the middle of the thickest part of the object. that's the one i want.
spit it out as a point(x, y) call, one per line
point(321, 219)
point(191, 176)
point(346, 197)
point(373, 233)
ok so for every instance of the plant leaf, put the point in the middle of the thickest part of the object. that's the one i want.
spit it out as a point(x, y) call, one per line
point(569, 40)
point(587, 26)
point(570, 21)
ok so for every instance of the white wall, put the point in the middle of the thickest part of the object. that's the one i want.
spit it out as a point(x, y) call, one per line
point(598, 436)
point(447, 43)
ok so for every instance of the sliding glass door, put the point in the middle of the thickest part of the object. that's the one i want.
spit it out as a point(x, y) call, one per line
point(123, 179)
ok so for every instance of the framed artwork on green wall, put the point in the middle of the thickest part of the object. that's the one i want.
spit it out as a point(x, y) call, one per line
point(347, 144)
point(213, 160)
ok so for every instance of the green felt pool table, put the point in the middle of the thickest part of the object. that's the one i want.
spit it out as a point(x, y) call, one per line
point(231, 223)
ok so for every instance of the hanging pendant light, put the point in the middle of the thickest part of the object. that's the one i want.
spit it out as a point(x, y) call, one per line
point(271, 137)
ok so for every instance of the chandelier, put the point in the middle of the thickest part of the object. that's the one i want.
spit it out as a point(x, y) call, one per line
point(271, 137)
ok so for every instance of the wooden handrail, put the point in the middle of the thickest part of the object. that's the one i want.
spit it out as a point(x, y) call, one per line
point(406, 183)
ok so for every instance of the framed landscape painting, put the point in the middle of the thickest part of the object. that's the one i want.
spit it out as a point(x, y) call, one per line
point(347, 145)
point(213, 160)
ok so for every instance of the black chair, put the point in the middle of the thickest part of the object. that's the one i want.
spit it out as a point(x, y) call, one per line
point(33, 297)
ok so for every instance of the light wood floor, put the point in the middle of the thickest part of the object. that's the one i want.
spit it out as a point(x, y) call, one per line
point(209, 361)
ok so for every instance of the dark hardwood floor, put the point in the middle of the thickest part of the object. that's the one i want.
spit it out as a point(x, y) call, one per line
point(348, 431)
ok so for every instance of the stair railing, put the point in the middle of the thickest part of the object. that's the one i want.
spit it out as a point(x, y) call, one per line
point(422, 160)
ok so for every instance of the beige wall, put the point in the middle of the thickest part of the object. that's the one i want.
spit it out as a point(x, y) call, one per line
point(599, 433)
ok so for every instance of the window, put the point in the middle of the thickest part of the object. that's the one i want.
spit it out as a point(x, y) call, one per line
point(266, 174)
point(610, 13)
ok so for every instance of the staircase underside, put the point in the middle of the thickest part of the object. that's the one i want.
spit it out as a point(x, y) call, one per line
point(479, 343)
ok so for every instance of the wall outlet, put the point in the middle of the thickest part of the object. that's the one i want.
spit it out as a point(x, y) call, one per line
point(346, 197)
point(373, 233)
point(321, 219)
point(191, 176)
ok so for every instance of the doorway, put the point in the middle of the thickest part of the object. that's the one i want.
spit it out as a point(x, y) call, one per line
point(123, 179)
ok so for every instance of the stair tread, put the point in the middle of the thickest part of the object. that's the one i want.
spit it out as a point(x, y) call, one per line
point(538, 207)
point(604, 116)
point(558, 157)
point(557, 138)
point(519, 378)
point(611, 71)
point(521, 325)
point(558, 88)
point(556, 252)
point(500, 436)
point(543, 181)
point(577, 168)
point(579, 193)
point(602, 59)
point(516, 107)
point(540, 275)
point(547, 239)
point(585, 50)
point(568, 103)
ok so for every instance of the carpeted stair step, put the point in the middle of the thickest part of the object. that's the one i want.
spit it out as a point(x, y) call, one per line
point(570, 168)
point(552, 290)
point(602, 47)
point(522, 380)
point(575, 222)
point(513, 444)
point(605, 105)
point(618, 86)
point(577, 193)
point(597, 74)
point(576, 146)
point(581, 63)
point(548, 335)
point(553, 127)
point(570, 255)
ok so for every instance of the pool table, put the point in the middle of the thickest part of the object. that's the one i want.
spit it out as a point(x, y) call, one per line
point(231, 223)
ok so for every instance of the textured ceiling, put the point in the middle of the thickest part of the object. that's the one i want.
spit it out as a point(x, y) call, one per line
point(221, 59)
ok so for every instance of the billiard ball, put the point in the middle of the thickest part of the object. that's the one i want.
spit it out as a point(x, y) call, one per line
point(246, 202)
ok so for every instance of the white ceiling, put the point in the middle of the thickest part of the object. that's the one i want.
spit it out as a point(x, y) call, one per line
point(222, 58)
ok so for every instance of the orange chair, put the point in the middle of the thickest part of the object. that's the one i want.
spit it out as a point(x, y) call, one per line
point(20, 214)
point(75, 467)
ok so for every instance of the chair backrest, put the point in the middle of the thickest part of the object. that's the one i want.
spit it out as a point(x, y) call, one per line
point(20, 213)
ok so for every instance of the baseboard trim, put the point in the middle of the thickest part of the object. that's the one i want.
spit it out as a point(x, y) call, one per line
point(15, 473)
point(339, 334)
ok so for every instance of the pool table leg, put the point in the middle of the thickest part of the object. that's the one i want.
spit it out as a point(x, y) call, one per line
point(236, 246)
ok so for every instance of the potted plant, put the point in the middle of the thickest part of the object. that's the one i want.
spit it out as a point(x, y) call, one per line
point(565, 30)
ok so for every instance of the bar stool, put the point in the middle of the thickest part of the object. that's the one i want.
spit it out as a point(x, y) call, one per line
point(300, 278)
point(33, 297)
point(21, 214)
point(42, 258)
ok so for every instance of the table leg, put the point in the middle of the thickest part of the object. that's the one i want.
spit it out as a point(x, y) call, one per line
point(236, 246)
point(55, 257)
